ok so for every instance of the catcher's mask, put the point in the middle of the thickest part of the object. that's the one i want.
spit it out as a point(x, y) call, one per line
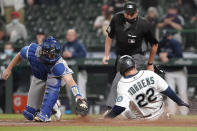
point(126, 63)
point(50, 51)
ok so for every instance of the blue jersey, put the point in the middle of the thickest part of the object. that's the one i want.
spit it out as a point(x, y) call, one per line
point(41, 70)
point(76, 48)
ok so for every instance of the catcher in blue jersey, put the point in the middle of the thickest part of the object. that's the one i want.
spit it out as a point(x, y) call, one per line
point(48, 68)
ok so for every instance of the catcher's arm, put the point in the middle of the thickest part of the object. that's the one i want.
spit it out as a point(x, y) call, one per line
point(82, 106)
point(17, 59)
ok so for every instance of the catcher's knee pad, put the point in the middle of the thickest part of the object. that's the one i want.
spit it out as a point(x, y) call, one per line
point(29, 113)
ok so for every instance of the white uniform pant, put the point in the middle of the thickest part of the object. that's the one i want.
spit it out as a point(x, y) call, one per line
point(128, 114)
point(82, 77)
point(177, 79)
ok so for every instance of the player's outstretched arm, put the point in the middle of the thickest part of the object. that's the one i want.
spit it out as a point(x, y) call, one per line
point(172, 95)
point(17, 59)
point(82, 106)
point(72, 84)
point(69, 80)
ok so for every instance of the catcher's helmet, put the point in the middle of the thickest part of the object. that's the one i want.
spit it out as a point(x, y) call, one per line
point(50, 50)
point(126, 62)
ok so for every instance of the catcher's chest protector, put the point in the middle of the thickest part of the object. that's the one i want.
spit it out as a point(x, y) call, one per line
point(39, 69)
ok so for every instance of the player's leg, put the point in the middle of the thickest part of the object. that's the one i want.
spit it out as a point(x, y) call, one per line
point(35, 97)
point(128, 114)
point(181, 80)
point(82, 77)
point(170, 79)
point(111, 99)
point(50, 98)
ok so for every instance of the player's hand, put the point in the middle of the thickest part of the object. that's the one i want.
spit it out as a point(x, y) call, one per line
point(105, 60)
point(185, 104)
point(150, 67)
point(6, 74)
point(82, 106)
point(168, 20)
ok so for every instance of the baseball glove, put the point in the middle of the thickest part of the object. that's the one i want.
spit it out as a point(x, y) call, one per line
point(81, 107)
point(159, 69)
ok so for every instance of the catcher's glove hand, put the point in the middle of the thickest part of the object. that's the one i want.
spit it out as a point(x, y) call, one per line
point(82, 107)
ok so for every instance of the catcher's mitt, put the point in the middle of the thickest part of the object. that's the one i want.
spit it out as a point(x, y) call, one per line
point(81, 107)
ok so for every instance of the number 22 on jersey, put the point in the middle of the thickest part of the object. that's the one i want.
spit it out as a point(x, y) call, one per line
point(144, 99)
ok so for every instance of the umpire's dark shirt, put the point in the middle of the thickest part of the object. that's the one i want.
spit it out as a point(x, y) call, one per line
point(129, 35)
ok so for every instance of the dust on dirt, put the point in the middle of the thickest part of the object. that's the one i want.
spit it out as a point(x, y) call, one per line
point(88, 121)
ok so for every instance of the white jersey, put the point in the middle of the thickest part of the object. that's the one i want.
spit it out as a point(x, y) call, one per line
point(141, 94)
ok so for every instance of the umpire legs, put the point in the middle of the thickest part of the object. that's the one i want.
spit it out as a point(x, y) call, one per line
point(111, 99)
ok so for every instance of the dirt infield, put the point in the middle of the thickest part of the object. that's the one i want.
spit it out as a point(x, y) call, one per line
point(99, 122)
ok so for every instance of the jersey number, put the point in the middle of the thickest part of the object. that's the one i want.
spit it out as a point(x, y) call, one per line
point(150, 98)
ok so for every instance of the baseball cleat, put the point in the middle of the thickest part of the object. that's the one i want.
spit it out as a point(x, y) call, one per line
point(57, 115)
point(106, 112)
point(41, 118)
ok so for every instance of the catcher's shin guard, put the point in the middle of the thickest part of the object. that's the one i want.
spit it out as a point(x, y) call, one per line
point(50, 97)
point(29, 113)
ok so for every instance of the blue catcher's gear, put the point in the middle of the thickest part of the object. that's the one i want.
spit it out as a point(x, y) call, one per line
point(50, 50)
point(32, 54)
point(51, 92)
point(56, 67)
point(50, 97)
point(29, 113)
point(41, 118)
